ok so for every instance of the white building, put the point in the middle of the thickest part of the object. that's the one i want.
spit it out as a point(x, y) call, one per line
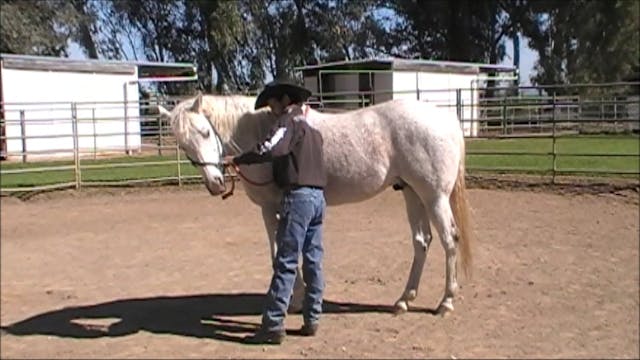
point(370, 81)
point(37, 94)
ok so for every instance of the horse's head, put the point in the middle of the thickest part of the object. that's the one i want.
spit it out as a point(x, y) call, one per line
point(199, 141)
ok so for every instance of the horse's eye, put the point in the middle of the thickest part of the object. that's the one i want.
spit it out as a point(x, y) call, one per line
point(206, 133)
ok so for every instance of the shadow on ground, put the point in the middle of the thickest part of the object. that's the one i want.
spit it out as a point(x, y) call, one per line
point(202, 316)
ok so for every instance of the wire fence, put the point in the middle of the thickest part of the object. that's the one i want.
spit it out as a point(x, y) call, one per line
point(579, 130)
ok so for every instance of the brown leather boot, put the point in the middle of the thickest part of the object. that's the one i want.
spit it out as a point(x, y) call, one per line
point(268, 337)
point(309, 329)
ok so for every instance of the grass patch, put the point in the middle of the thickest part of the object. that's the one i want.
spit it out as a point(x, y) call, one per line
point(534, 157)
point(114, 173)
point(585, 154)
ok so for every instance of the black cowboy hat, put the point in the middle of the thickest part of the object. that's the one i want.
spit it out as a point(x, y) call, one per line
point(278, 88)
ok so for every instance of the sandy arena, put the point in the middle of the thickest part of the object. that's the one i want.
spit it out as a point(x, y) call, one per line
point(175, 273)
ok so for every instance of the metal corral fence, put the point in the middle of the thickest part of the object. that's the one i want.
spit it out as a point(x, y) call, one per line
point(70, 145)
point(583, 129)
point(558, 130)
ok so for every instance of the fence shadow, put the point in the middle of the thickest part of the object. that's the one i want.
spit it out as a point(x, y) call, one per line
point(201, 316)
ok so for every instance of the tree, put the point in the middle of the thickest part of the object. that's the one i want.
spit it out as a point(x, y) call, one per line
point(36, 27)
point(466, 30)
point(85, 25)
point(582, 41)
point(160, 30)
point(342, 30)
point(236, 48)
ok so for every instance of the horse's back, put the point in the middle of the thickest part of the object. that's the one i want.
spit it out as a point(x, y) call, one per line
point(405, 118)
point(369, 149)
point(400, 110)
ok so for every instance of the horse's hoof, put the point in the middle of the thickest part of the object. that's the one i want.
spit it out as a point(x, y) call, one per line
point(400, 307)
point(410, 295)
point(444, 309)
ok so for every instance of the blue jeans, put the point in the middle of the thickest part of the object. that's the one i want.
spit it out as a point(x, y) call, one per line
point(299, 230)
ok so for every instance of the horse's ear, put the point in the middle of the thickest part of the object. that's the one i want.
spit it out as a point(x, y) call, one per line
point(197, 103)
point(163, 112)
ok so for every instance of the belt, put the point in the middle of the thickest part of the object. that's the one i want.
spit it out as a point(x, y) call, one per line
point(296, 187)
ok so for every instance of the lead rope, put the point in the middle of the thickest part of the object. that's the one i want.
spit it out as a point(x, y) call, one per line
point(226, 194)
point(237, 171)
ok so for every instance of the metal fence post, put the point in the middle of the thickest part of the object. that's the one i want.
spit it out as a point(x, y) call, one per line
point(95, 135)
point(126, 120)
point(372, 96)
point(76, 147)
point(160, 134)
point(472, 93)
point(553, 139)
point(23, 136)
point(615, 113)
point(459, 107)
point(178, 163)
point(320, 87)
point(504, 115)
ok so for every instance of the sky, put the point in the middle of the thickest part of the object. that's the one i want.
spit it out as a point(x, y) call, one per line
point(528, 58)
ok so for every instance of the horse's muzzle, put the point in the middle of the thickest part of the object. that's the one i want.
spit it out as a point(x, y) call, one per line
point(216, 187)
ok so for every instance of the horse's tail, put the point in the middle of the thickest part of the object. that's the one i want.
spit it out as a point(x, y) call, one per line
point(460, 208)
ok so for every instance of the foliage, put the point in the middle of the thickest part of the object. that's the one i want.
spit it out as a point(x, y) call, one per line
point(36, 27)
point(464, 30)
point(583, 41)
point(239, 44)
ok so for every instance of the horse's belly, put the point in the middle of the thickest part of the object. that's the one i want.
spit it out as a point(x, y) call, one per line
point(339, 197)
point(354, 177)
point(341, 190)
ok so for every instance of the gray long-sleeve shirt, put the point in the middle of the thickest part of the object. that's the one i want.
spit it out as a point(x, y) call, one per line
point(295, 148)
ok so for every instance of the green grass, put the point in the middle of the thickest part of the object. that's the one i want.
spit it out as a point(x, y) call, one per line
point(169, 169)
point(539, 161)
point(536, 154)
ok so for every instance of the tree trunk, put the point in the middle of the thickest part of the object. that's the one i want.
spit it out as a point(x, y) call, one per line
point(84, 37)
point(460, 18)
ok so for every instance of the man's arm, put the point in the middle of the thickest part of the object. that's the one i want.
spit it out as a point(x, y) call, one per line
point(277, 143)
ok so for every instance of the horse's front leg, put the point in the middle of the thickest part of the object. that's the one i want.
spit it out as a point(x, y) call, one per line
point(269, 216)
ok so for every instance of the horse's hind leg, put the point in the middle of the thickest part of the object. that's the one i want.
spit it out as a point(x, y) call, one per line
point(421, 238)
point(445, 224)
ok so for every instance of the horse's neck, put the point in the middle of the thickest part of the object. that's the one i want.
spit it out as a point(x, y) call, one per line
point(244, 129)
point(247, 130)
point(235, 121)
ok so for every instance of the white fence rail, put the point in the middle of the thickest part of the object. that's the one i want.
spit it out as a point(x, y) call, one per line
point(71, 145)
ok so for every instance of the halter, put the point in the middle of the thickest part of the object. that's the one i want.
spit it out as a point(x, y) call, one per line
point(223, 167)
point(219, 165)
point(221, 151)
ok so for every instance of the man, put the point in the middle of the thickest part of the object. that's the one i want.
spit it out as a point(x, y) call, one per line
point(295, 149)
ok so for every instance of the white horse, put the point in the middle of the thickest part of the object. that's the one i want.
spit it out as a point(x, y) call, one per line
point(411, 145)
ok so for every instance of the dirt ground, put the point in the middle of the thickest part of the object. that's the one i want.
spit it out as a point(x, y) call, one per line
point(169, 273)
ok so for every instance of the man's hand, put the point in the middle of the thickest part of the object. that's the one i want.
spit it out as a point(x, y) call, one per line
point(228, 160)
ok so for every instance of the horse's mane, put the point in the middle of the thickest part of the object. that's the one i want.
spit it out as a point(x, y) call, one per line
point(223, 112)
point(178, 121)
